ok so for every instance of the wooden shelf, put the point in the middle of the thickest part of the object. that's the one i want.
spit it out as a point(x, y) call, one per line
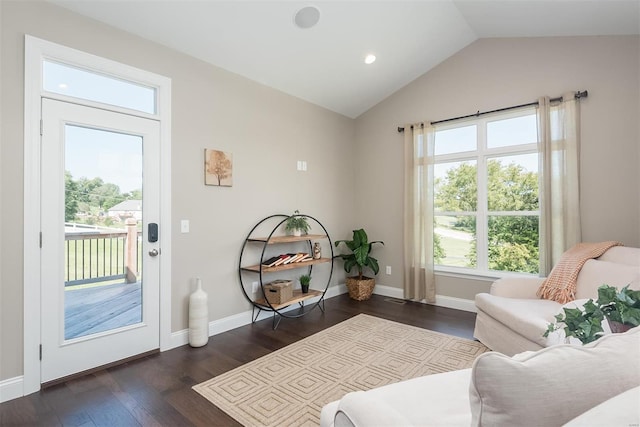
point(287, 239)
point(298, 296)
point(256, 268)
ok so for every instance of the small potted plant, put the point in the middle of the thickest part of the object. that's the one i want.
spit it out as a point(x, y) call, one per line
point(360, 287)
point(305, 279)
point(297, 224)
point(620, 308)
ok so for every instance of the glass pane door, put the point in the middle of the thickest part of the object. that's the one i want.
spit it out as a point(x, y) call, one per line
point(103, 230)
point(97, 306)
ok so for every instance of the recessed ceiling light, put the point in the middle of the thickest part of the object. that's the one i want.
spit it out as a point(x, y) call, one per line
point(370, 59)
point(63, 86)
point(307, 17)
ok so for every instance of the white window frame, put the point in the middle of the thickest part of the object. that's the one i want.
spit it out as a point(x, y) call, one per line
point(481, 155)
point(36, 51)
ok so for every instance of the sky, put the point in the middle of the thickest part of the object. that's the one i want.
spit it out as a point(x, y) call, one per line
point(500, 133)
point(114, 157)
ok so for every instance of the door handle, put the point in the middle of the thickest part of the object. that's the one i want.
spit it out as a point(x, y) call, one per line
point(154, 252)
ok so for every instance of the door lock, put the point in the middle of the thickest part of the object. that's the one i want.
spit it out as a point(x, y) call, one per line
point(154, 252)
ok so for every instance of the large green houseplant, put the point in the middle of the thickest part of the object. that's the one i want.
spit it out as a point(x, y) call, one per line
point(360, 287)
point(620, 308)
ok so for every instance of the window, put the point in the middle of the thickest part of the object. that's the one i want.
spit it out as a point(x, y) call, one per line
point(486, 208)
point(81, 83)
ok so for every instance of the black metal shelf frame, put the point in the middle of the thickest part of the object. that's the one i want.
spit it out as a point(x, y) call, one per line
point(278, 313)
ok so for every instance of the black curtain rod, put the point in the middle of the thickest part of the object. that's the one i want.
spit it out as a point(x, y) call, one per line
point(578, 95)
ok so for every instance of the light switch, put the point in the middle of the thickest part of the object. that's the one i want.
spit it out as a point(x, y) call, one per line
point(184, 226)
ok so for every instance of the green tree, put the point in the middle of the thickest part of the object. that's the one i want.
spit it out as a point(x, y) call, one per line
point(71, 197)
point(87, 188)
point(438, 251)
point(133, 195)
point(108, 195)
point(92, 196)
point(513, 240)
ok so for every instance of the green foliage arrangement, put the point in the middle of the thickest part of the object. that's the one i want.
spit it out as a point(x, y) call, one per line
point(586, 325)
point(622, 307)
point(297, 222)
point(359, 257)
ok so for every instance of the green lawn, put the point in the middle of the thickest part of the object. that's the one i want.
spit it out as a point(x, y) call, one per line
point(455, 250)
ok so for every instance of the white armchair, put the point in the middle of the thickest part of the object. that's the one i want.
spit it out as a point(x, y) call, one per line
point(512, 319)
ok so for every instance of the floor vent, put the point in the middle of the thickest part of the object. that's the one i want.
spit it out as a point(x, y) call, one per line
point(395, 301)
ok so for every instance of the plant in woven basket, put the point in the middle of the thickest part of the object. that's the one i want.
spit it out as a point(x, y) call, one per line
point(620, 308)
point(360, 287)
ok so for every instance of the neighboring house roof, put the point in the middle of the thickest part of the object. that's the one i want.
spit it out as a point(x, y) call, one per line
point(128, 206)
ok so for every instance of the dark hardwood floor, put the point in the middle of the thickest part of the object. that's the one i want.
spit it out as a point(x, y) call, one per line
point(156, 390)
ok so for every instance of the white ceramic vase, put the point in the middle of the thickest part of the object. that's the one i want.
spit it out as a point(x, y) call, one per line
point(198, 317)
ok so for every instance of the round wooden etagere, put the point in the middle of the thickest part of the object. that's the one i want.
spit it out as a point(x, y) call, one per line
point(262, 304)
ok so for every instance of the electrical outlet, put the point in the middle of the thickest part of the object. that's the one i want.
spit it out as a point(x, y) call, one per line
point(388, 270)
point(255, 287)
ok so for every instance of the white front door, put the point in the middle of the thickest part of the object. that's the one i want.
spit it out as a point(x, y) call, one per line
point(100, 272)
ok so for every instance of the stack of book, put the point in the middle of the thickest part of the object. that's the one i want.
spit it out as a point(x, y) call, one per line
point(285, 259)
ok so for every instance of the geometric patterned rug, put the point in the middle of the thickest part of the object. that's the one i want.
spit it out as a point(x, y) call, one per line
point(291, 385)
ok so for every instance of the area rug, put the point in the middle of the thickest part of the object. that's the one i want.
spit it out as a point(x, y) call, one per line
point(291, 385)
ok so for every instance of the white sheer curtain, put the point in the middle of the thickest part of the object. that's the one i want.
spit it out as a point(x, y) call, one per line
point(559, 127)
point(419, 279)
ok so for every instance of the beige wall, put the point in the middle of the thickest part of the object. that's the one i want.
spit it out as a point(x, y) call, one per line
point(266, 130)
point(495, 73)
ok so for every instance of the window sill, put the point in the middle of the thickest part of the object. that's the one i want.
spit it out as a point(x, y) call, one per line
point(485, 276)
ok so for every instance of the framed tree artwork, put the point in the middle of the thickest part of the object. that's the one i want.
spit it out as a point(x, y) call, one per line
point(218, 168)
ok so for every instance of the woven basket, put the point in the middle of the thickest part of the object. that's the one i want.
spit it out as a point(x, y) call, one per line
point(360, 290)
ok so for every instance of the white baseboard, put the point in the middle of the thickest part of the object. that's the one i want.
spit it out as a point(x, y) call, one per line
point(457, 303)
point(388, 291)
point(11, 388)
point(228, 323)
point(441, 300)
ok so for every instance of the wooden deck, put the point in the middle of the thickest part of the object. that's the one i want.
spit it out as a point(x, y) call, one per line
point(98, 309)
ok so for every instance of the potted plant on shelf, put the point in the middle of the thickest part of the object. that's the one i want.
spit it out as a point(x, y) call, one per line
point(360, 287)
point(297, 224)
point(305, 279)
point(620, 308)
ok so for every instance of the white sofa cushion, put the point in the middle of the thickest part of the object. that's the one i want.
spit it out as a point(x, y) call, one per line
point(622, 410)
point(553, 385)
point(432, 400)
point(528, 317)
point(622, 255)
point(595, 273)
point(360, 408)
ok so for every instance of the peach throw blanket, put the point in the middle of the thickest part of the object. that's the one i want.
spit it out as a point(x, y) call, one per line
point(560, 286)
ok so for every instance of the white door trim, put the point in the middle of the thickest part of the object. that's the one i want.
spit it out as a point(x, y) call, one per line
point(35, 51)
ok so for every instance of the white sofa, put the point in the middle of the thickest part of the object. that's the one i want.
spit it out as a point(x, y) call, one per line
point(512, 319)
point(559, 385)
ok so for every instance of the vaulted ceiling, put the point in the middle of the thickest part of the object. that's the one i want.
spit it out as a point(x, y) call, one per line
point(324, 64)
